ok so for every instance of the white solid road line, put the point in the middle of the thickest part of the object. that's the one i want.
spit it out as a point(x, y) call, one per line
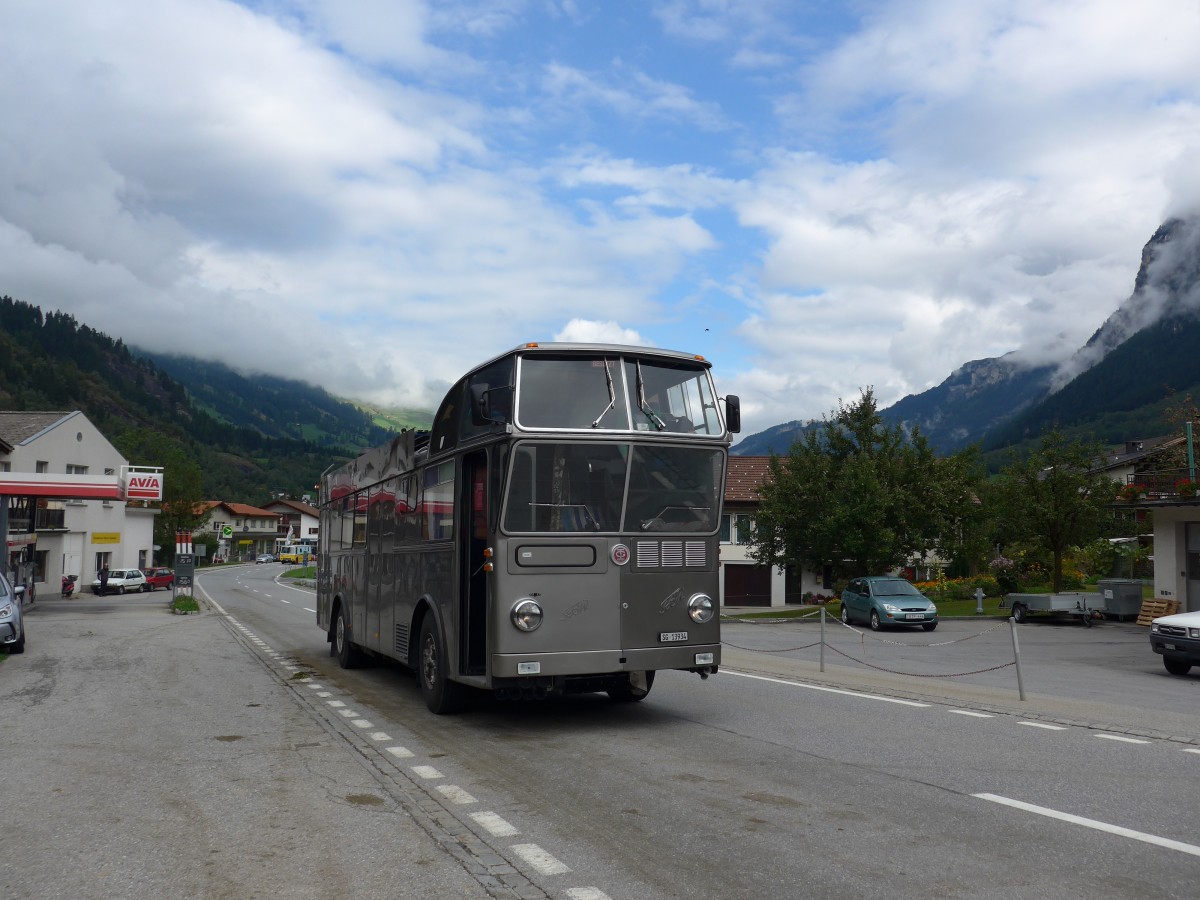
point(828, 690)
point(1168, 843)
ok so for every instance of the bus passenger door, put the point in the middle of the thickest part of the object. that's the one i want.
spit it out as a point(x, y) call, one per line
point(473, 540)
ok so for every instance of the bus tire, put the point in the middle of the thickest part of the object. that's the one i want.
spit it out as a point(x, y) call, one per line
point(627, 693)
point(441, 695)
point(343, 647)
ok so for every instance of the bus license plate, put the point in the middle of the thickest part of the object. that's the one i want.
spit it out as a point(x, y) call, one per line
point(914, 615)
point(665, 637)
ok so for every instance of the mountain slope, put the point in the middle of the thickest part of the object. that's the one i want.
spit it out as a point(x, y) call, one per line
point(1113, 388)
point(48, 361)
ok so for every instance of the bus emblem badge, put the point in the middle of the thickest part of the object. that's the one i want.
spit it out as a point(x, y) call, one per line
point(620, 554)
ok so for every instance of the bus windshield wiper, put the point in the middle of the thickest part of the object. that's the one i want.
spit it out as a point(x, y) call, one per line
point(643, 405)
point(612, 396)
point(658, 522)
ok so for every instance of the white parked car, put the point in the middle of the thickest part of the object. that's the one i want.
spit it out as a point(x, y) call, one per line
point(121, 581)
point(1177, 639)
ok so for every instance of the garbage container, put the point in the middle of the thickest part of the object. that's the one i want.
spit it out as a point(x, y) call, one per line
point(1122, 597)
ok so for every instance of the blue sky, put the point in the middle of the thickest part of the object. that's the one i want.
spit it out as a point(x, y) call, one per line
point(376, 195)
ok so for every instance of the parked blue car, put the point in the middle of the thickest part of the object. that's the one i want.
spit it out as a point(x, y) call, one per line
point(12, 624)
point(881, 600)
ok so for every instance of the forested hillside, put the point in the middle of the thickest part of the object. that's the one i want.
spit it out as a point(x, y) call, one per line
point(48, 361)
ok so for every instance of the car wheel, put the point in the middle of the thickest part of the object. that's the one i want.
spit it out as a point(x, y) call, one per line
point(344, 647)
point(875, 620)
point(628, 693)
point(929, 626)
point(845, 614)
point(441, 694)
point(147, 588)
point(19, 646)
point(1019, 615)
point(121, 589)
point(1174, 666)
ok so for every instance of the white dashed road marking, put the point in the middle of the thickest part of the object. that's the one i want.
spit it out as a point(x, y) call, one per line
point(1044, 725)
point(495, 825)
point(427, 772)
point(540, 859)
point(456, 794)
point(1118, 737)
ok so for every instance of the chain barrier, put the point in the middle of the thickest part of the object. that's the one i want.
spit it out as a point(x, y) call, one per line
point(862, 638)
point(918, 674)
point(725, 643)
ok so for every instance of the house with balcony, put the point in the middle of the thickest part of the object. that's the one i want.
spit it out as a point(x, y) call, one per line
point(1159, 477)
point(242, 531)
point(66, 504)
point(299, 522)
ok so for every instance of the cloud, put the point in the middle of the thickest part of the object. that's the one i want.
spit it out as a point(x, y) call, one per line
point(582, 331)
point(377, 196)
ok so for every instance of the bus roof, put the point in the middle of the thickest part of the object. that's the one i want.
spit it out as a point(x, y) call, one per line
point(535, 347)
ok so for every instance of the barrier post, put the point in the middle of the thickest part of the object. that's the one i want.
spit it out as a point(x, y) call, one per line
point(822, 639)
point(1012, 625)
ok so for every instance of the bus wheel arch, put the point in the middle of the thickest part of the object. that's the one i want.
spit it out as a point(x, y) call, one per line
point(441, 695)
point(635, 689)
point(341, 638)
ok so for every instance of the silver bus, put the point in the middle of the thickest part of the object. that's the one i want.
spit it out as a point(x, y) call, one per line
point(556, 531)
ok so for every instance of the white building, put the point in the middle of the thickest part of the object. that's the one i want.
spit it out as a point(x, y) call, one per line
point(63, 506)
point(299, 522)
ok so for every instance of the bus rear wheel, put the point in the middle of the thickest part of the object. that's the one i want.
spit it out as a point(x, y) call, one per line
point(344, 649)
point(441, 695)
point(636, 688)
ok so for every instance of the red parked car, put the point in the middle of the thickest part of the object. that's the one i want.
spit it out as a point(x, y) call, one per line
point(159, 577)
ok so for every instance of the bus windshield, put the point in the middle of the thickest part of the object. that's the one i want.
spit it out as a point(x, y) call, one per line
point(614, 393)
point(570, 487)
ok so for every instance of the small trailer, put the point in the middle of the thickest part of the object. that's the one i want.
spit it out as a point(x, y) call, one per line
point(1072, 603)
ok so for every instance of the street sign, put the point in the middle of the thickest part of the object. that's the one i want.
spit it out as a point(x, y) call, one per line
point(227, 531)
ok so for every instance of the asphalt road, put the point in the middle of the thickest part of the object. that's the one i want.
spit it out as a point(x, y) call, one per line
point(893, 773)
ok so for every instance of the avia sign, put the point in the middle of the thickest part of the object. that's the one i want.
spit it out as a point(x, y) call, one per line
point(143, 483)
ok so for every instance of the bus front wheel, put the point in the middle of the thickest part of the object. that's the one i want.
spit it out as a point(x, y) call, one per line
point(636, 688)
point(343, 647)
point(441, 694)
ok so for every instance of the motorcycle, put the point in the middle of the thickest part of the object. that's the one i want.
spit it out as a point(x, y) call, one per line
point(68, 585)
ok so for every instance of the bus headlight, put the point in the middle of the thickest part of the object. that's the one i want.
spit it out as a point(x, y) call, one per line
point(526, 614)
point(700, 608)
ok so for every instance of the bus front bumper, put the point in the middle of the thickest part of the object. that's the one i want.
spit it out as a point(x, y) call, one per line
point(691, 657)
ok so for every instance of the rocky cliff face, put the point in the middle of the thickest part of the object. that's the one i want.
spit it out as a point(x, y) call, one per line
point(1167, 286)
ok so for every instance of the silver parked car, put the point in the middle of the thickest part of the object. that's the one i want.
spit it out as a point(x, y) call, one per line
point(12, 623)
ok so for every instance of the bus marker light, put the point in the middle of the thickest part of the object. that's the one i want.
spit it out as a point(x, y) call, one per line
point(535, 668)
point(704, 659)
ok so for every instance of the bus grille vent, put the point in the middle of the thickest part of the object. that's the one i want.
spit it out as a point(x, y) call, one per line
point(671, 554)
point(647, 554)
point(401, 640)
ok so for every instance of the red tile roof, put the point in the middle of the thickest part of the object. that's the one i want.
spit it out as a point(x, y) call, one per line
point(238, 509)
point(744, 476)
